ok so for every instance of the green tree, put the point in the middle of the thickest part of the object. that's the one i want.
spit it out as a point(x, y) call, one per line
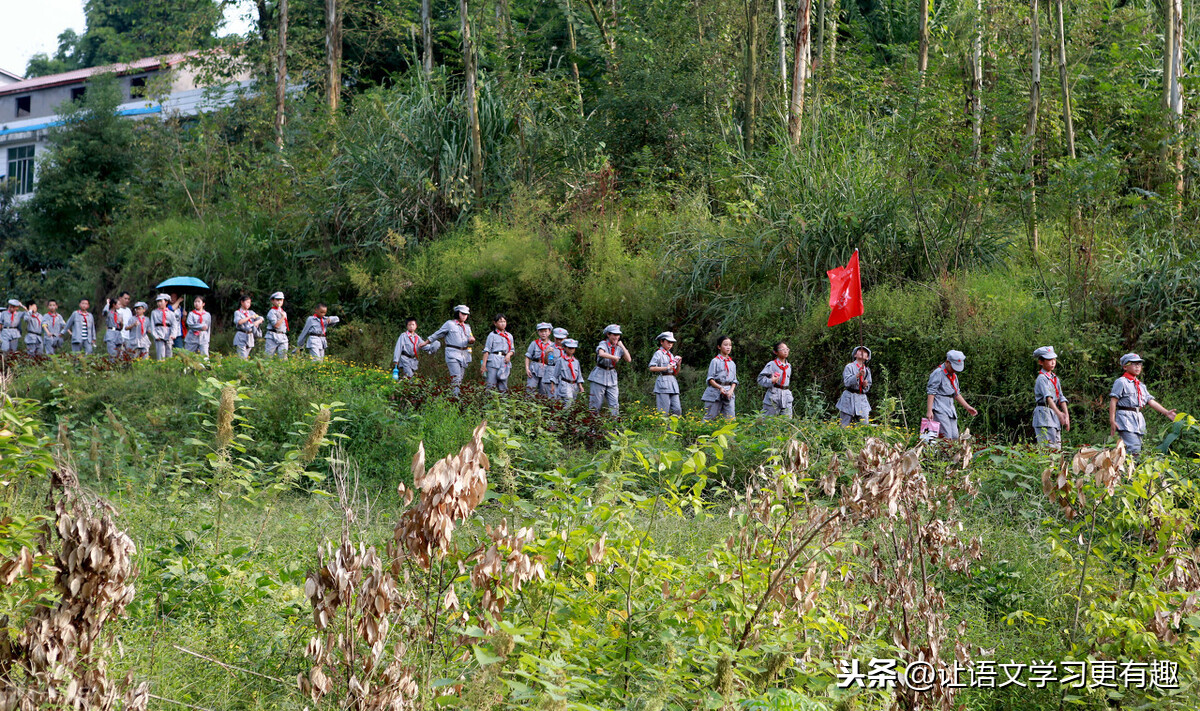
point(84, 182)
point(125, 30)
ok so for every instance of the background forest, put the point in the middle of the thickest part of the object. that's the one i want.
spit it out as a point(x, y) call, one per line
point(230, 534)
point(1013, 174)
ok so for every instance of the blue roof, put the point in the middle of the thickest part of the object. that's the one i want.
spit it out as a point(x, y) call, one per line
point(58, 122)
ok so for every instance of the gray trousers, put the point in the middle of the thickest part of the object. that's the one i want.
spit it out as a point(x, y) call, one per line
point(113, 347)
point(1050, 436)
point(10, 340)
point(316, 351)
point(717, 408)
point(139, 352)
point(668, 403)
point(1133, 441)
point(495, 381)
point(85, 347)
point(949, 425)
point(51, 345)
point(243, 352)
point(197, 347)
point(567, 392)
point(163, 349)
point(604, 394)
point(33, 345)
point(771, 409)
point(277, 345)
point(457, 369)
point(847, 418)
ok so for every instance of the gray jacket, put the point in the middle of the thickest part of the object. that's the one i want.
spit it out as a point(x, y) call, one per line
point(456, 335)
point(1131, 394)
point(54, 325)
point(857, 384)
point(246, 331)
point(199, 325)
point(605, 372)
point(724, 371)
point(1046, 386)
point(943, 391)
point(665, 382)
point(777, 393)
point(496, 347)
point(163, 323)
point(82, 326)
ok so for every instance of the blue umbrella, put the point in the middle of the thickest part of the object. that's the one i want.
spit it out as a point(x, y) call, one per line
point(183, 283)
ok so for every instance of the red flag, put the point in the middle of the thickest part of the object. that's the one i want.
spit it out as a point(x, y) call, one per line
point(845, 292)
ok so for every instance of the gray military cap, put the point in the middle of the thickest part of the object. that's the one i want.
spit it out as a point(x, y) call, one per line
point(14, 302)
point(957, 360)
point(461, 308)
point(570, 343)
point(856, 349)
point(544, 326)
point(140, 305)
point(560, 333)
point(666, 336)
point(612, 328)
point(1045, 353)
point(162, 297)
point(1131, 358)
point(277, 295)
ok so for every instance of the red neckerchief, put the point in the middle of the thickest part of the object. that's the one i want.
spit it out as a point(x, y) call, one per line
point(163, 311)
point(784, 367)
point(142, 323)
point(37, 318)
point(612, 350)
point(244, 313)
point(726, 360)
point(570, 365)
point(951, 376)
point(320, 319)
point(113, 314)
point(542, 350)
point(414, 339)
point(862, 377)
point(507, 339)
point(12, 316)
point(670, 361)
point(285, 326)
point(52, 319)
point(1054, 379)
point(84, 314)
point(462, 325)
point(1137, 387)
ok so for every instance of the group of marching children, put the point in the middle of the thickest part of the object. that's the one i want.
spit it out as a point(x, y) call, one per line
point(140, 328)
point(552, 370)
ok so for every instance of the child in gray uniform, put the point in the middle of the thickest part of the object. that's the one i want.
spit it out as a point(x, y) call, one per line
point(539, 362)
point(10, 327)
point(568, 373)
point(1125, 403)
point(35, 330)
point(1050, 416)
point(277, 328)
point(776, 377)
point(312, 337)
point(162, 326)
point(137, 332)
point(457, 337)
point(856, 379)
point(199, 325)
point(718, 397)
point(942, 392)
point(666, 387)
point(248, 325)
point(82, 327)
point(407, 350)
point(497, 355)
point(603, 378)
point(55, 326)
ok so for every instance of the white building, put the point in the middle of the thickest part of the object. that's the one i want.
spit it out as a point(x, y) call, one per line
point(30, 107)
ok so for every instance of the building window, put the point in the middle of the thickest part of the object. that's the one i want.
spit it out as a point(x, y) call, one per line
point(23, 104)
point(20, 169)
point(78, 93)
point(137, 87)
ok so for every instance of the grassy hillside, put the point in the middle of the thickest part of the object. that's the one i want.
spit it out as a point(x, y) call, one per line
point(651, 547)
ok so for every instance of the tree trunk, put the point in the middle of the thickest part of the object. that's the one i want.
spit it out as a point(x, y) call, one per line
point(1031, 122)
point(829, 58)
point(574, 52)
point(750, 93)
point(977, 85)
point(819, 60)
point(472, 100)
point(1172, 95)
point(801, 48)
point(426, 38)
point(1068, 120)
point(781, 25)
point(333, 52)
point(923, 39)
point(281, 73)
